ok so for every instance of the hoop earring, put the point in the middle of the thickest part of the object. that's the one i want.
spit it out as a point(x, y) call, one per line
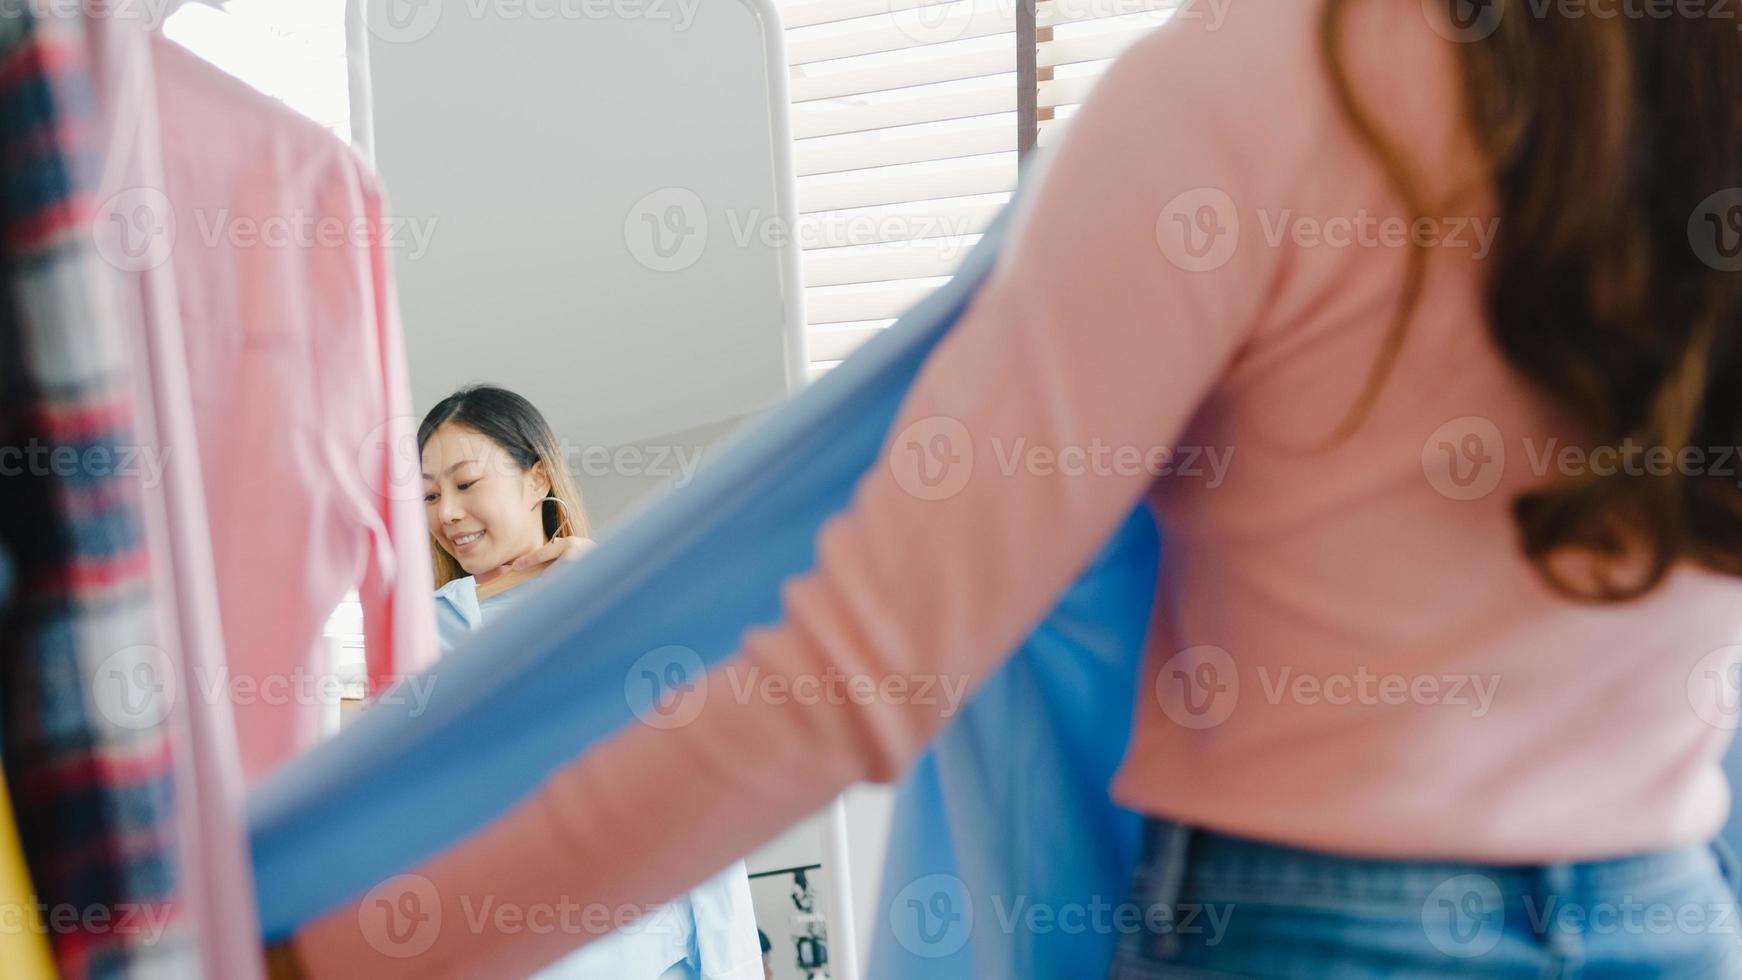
point(565, 514)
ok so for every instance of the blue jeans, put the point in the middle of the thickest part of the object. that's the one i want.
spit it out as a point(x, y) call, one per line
point(1214, 906)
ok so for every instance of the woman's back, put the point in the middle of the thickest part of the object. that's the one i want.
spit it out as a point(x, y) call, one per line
point(1350, 650)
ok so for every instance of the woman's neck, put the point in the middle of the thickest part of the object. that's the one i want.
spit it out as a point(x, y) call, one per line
point(502, 577)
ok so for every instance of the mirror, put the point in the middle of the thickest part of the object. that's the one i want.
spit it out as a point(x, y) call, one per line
point(597, 202)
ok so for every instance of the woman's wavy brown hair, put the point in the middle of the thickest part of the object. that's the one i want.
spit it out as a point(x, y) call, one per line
point(1605, 138)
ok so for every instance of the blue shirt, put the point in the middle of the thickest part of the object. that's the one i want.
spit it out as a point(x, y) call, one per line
point(709, 934)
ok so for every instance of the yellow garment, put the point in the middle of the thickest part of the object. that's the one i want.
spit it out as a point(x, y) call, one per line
point(23, 944)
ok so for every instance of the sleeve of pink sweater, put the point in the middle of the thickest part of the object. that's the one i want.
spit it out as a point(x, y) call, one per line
point(1113, 311)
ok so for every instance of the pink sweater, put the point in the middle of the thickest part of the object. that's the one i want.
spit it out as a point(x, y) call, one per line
point(1348, 651)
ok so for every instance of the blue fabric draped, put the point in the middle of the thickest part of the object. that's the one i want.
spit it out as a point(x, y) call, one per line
point(1006, 854)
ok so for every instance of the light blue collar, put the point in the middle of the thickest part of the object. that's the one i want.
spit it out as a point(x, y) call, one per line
point(461, 597)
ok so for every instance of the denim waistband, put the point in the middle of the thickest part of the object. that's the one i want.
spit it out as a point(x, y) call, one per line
point(1195, 859)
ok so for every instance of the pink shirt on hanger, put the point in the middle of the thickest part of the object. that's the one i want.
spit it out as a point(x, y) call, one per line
point(301, 399)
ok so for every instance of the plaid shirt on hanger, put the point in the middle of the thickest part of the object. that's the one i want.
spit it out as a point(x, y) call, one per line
point(84, 693)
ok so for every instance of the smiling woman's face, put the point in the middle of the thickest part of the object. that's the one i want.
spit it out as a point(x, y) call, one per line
point(483, 509)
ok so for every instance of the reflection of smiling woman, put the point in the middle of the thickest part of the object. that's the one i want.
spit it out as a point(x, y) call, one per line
point(502, 508)
point(500, 503)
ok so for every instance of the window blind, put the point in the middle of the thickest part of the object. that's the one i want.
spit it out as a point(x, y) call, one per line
point(909, 118)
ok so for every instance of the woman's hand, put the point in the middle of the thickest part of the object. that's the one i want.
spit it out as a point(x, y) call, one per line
point(568, 548)
point(531, 565)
